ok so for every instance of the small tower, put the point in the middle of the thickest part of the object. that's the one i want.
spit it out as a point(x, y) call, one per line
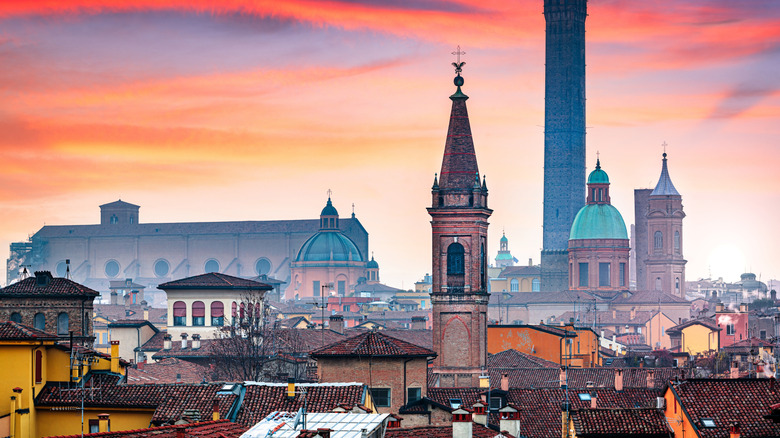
point(504, 257)
point(664, 261)
point(459, 223)
point(598, 242)
point(372, 271)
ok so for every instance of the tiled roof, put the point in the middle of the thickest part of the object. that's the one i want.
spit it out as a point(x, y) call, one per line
point(305, 226)
point(13, 331)
point(214, 280)
point(581, 377)
point(156, 342)
point(56, 286)
point(376, 287)
point(478, 431)
point(709, 323)
point(168, 400)
point(169, 370)
point(730, 400)
point(750, 343)
point(650, 297)
point(520, 270)
point(634, 422)
point(373, 344)
point(515, 359)
point(206, 429)
point(608, 318)
point(114, 312)
point(263, 398)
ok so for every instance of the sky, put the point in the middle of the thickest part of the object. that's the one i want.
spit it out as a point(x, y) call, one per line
point(204, 110)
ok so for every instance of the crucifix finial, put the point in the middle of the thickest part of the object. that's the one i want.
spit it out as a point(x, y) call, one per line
point(664, 145)
point(329, 193)
point(457, 64)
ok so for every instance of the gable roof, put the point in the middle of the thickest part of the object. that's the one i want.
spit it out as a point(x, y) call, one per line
point(214, 280)
point(726, 401)
point(650, 297)
point(615, 422)
point(13, 331)
point(205, 429)
point(709, 323)
point(53, 287)
point(515, 359)
point(375, 344)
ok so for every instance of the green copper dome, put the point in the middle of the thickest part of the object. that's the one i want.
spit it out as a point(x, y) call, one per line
point(329, 246)
point(598, 176)
point(598, 221)
point(504, 239)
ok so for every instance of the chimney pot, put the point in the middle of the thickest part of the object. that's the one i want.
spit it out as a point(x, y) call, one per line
point(505, 382)
point(183, 341)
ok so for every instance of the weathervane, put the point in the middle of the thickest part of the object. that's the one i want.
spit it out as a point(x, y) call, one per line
point(458, 65)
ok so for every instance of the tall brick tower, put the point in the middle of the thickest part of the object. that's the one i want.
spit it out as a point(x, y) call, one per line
point(564, 134)
point(664, 264)
point(459, 223)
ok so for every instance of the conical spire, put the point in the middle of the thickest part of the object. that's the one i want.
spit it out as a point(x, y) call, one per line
point(459, 166)
point(664, 186)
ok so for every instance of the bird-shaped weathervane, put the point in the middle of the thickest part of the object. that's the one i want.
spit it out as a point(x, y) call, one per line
point(458, 64)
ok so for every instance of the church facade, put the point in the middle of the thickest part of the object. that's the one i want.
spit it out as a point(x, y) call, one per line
point(122, 247)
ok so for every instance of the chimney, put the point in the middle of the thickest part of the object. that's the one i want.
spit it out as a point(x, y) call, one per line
point(167, 342)
point(509, 419)
point(530, 261)
point(505, 382)
point(773, 295)
point(146, 314)
point(418, 323)
point(115, 357)
point(394, 421)
point(480, 413)
point(215, 409)
point(181, 431)
point(195, 341)
point(650, 379)
point(562, 377)
point(290, 388)
point(323, 433)
point(141, 364)
point(104, 424)
point(565, 411)
point(734, 372)
point(114, 298)
point(593, 399)
point(742, 309)
point(632, 314)
point(336, 323)
point(461, 423)
point(183, 341)
point(734, 430)
point(484, 381)
point(614, 314)
point(618, 379)
point(719, 307)
point(42, 278)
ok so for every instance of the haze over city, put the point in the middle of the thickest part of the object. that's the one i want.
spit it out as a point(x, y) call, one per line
point(204, 111)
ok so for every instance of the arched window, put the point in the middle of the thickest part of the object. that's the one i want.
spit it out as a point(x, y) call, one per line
point(39, 321)
point(38, 366)
point(658, 241)
point(657, 283)
point(455, 263)
point(514, 285)
point(198, 313)
point(677, 242)
point(62, 323)
point(179, 313)
point(677, 285)
point(211, 265)
point(234, 312)
point(217, 313)
point(16, 317)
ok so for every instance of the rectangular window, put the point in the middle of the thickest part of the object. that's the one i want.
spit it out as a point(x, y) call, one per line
point(762, 334)
point(217, 321)
point(583, 270)
point(315, 285)
point(413, 394)
point(381, 397)
point(94, 427)
point(604, 274)
point(730, 329)
point(342, 287)
point(622, 274)
point(495, 403)
point(345, 308)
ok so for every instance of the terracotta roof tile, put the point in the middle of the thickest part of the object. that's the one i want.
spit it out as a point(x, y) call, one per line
point(262, 399)
point(372, 344)
point(730, 400)
point(55, 286)
point(214, 280)
point(170, 370)
point(528, 378)
point(478, 431)
point(635, 422)
point(13, 331)
point(207, 429)
point(516, 359)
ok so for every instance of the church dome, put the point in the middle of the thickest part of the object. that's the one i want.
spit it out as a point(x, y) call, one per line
point(372, 264)
point(598, 221)
point(504, 239)
point(329, 209)
point(598, 176)
point(329, 246)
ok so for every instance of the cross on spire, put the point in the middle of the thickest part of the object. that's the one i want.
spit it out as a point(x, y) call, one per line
point(329, 193)
point(664, 145)
point(458, 65)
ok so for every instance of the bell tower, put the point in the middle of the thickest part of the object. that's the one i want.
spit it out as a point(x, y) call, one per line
point(459, 224)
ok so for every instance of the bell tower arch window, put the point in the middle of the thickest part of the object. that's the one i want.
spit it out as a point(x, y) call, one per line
point(455, 267)
point(658, 241)
point(677, 242)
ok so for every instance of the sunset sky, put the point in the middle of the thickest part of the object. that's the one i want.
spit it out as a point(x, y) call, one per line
point(201, 110)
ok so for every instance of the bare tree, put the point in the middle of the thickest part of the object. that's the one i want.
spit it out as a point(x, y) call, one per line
point(253, 347)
